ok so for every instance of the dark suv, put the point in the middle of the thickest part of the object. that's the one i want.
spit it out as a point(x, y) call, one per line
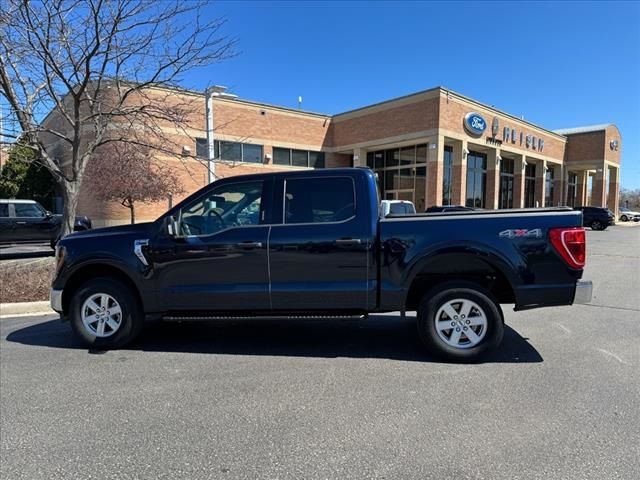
point(26, 221)
point(597, 218)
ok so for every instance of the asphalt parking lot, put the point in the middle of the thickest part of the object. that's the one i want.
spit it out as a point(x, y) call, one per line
point(335, 399)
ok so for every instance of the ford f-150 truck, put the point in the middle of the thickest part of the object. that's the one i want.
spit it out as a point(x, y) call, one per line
point(311, 243)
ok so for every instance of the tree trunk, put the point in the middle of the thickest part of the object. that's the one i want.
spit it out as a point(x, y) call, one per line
point(133, 211)
point(70, 196)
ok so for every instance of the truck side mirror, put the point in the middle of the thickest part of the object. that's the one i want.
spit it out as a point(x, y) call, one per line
point(171, 226)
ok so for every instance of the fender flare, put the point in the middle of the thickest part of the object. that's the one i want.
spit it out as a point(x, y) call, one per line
point(492, 257)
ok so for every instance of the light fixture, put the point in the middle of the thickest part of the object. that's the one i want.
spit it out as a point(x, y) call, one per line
point(498, 159)
point(465, 152)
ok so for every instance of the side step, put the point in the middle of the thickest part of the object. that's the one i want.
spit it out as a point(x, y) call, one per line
point(179, 318)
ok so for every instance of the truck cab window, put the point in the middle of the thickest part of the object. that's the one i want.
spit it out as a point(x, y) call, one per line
point(319, 200)
point(231, 205)
point(28, 210)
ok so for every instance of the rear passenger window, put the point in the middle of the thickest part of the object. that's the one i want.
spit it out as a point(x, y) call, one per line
point(4, 209)
point(319, 200)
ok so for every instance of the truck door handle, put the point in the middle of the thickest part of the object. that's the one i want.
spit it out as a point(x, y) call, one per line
point(249, 245)
point(348, 241)
point(21, 223)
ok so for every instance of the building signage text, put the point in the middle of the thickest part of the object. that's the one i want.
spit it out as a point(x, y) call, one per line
point(475, 124)
point(527, 140)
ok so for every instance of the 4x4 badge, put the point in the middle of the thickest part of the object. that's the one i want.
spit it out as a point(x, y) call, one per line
point(521, 233)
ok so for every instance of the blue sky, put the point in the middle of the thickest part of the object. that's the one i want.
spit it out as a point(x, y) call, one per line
point(558, 64)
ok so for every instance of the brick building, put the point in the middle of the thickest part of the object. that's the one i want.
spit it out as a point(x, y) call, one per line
point(433, 147)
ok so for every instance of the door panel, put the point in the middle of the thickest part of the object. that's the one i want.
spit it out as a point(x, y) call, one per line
point(31, 223)
point(319, 257)
point(219, 260)
point(226, 271)
point(7, 224)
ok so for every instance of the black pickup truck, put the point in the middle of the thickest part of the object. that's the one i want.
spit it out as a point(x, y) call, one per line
point(311, 243)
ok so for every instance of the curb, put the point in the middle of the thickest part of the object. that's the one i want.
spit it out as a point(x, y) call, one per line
point(25, 308)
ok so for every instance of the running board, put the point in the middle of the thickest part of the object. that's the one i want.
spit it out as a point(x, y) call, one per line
point(179, 318)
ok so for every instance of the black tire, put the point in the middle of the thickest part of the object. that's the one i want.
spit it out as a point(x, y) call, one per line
point(132, 319)
point(437, 298)
point(597, 225)
point(624, 218)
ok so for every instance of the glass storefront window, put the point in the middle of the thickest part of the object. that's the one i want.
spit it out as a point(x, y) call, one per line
point(572, 188)
point(401, 172)
point(391, 158)
point(476, 179)
point(408, 155)
point(548, 190)
point(447, 176)
point(530, 186)
point(506, 183)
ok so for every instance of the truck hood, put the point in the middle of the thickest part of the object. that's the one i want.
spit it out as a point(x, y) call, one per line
point(138, 229)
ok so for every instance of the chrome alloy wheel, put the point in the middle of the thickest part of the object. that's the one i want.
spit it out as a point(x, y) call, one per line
point(461, 323)
point(101, 315)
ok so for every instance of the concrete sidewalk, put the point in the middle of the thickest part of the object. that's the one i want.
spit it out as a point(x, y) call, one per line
point(25, 308)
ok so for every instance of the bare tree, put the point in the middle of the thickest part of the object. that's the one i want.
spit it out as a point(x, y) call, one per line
point(128, 173)
point(79, 74)
point(630, 198)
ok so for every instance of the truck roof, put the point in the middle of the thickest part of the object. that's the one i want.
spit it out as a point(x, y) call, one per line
point(15, 200)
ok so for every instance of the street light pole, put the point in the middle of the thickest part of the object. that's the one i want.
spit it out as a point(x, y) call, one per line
point(209, 93)
point(211, 166)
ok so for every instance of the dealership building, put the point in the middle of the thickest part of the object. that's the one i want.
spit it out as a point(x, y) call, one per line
point(435, 147)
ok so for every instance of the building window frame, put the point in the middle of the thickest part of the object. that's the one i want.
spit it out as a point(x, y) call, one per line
point(529, 185)
point(572, 188)
point(394, 164)
point(310, 158)
point(476, 180)
point(549, 187)
point(447, 176)
point(507, 175)
point(219, 151)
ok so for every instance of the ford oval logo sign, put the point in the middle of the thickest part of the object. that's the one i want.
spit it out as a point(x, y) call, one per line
point(475, 123)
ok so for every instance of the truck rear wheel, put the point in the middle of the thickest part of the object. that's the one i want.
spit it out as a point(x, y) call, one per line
point(460, 321)
point(105, 314)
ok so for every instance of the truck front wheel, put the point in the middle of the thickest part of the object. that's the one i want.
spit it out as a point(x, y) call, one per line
point(105, 314)
point(460, 321)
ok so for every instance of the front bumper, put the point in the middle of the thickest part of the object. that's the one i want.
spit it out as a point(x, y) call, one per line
point(55, 298)
point(584, 291)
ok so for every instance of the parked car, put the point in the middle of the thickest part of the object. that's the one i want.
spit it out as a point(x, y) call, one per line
point(627, 215)
point(26, 221)
point(396, 207)
point(597, 218)
point(449, 208)
point(319, 248)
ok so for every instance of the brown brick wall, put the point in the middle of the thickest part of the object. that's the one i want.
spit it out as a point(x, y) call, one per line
point(612, 133)
point(585, 147)
point(413, 117)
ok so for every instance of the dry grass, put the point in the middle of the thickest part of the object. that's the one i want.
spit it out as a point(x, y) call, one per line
point(25, 281)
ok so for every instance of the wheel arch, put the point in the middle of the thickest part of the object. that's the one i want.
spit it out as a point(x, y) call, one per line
point(91, 271)
point(461, 265)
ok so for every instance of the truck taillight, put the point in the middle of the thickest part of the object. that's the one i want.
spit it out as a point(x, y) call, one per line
point(571, 244)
